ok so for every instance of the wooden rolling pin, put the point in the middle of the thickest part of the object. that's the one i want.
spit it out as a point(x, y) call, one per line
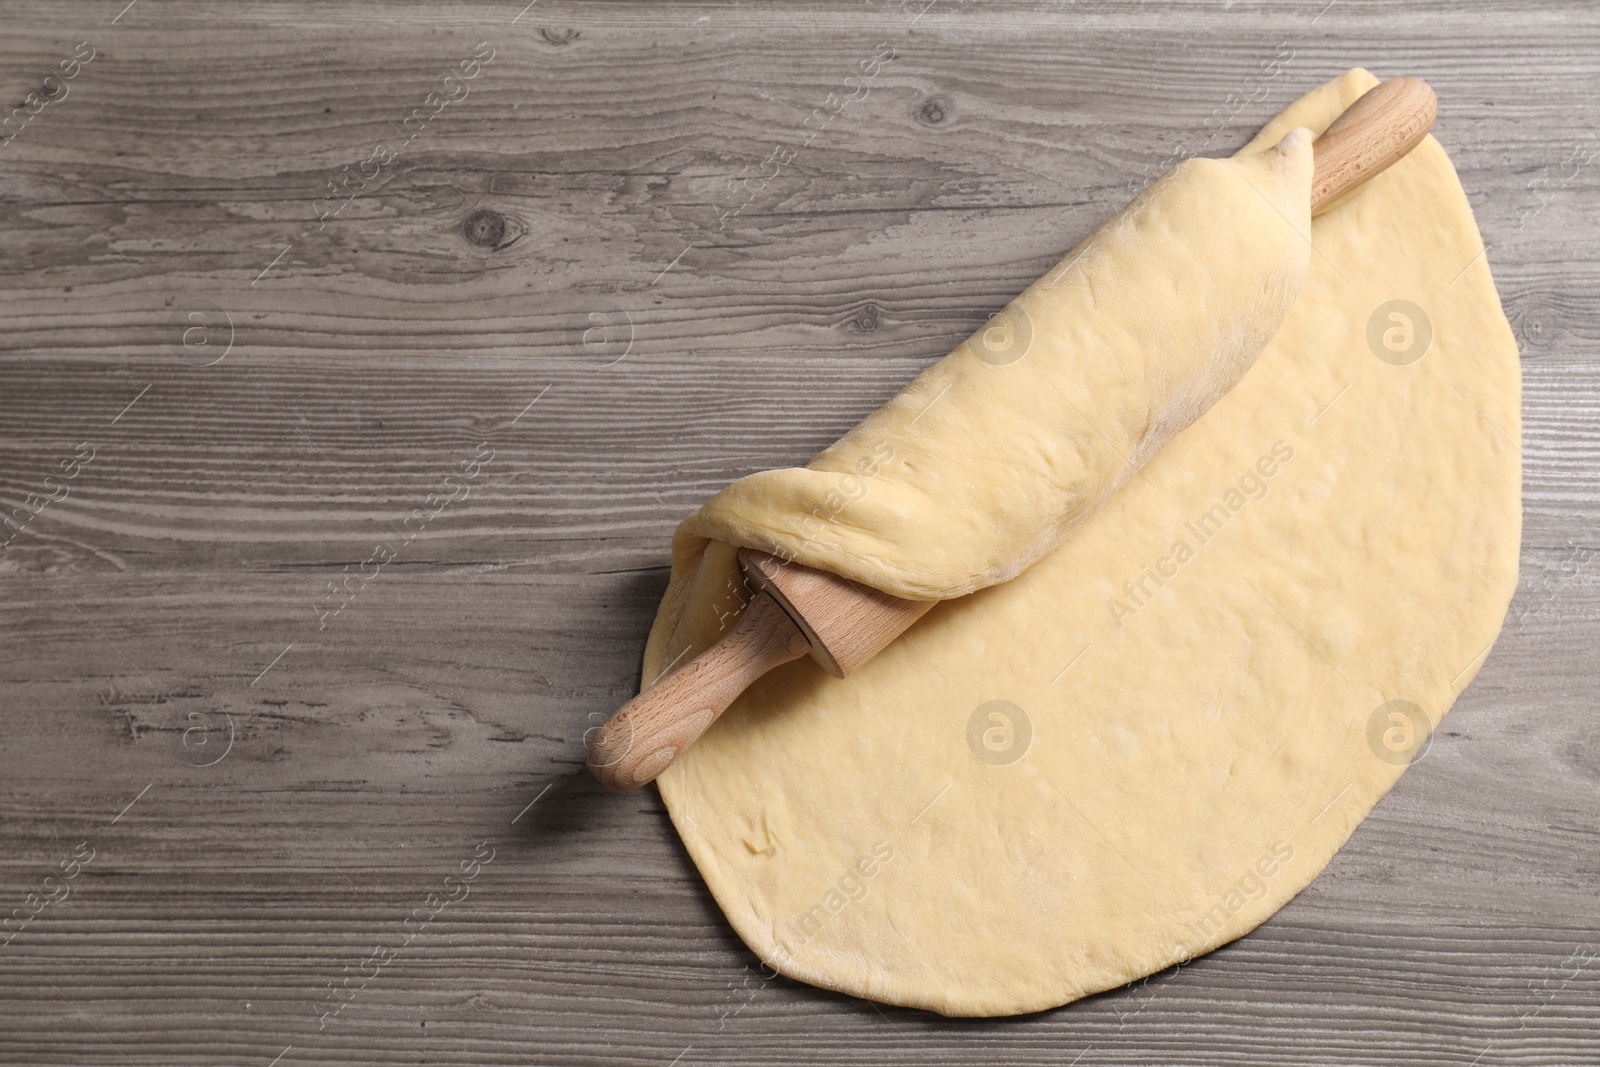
point(843, 624)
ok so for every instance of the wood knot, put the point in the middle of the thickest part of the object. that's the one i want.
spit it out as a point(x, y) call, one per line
point(1533, 320)
point(559, 37)
point(484, 228)
point(866, 319)
point(934, 111)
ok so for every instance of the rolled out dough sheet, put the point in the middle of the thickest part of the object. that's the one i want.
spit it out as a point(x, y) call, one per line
point(1159, 732)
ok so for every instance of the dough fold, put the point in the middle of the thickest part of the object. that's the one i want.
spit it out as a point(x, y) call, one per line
point(992, 456)
point(1203, 684)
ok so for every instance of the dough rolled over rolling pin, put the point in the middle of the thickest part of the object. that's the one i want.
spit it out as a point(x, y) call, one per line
point(1146, 324)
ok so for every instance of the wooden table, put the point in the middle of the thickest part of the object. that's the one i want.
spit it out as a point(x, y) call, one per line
point(380, 407)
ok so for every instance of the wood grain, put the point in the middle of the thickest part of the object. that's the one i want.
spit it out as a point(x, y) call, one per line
point(644, 220)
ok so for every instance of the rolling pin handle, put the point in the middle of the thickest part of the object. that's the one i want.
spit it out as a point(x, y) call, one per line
point(1385, 123)
point(650, 731)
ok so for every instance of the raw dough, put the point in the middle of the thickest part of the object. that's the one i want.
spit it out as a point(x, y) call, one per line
point(1200, 693)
